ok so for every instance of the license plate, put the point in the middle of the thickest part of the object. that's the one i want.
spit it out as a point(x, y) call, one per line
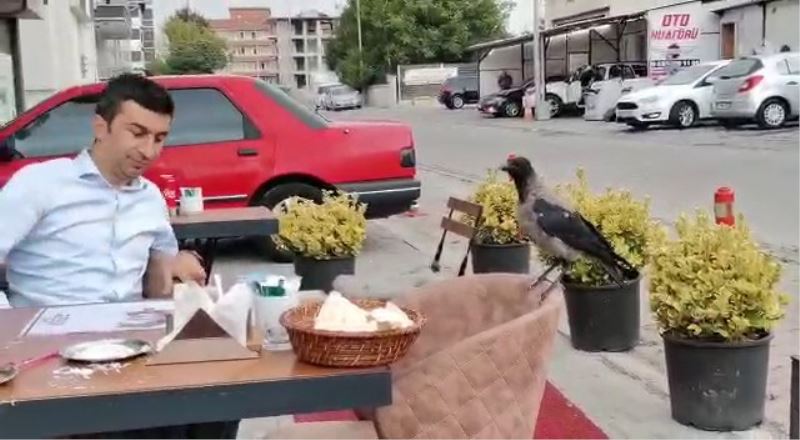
point(723, 105)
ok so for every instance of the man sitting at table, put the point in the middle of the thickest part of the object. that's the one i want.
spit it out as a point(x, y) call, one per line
point(83, 230)
point(87, 229)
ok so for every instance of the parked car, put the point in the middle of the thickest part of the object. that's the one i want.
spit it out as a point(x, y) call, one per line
point(457, 91)
point(764, 89)
point(244, 141)
point(322, 92)
point(505, 102)
point(680, 99)
point(342, 97)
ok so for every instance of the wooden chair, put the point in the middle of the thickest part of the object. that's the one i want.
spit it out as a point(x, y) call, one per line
point(465, 230)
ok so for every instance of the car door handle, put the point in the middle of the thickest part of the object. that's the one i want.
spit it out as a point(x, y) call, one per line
point(243, 152)
point(791, 83)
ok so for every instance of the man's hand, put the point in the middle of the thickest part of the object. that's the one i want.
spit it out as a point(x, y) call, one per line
point(186, 267)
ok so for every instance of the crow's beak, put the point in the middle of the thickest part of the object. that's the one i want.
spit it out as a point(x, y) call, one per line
point(504, 168)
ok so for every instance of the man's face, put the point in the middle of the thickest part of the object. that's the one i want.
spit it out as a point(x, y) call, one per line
point(133, 139)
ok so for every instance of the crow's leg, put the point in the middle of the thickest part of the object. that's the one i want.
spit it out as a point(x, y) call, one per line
point(543, 276)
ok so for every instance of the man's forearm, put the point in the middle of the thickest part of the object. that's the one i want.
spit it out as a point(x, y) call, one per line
point(157, 282)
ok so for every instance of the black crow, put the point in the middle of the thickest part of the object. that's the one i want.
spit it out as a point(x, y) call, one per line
point(558, 229)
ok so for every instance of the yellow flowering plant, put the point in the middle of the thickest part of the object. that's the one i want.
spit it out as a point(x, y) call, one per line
point(622, 219)
point(498, 224)
point(337, 227)
point(713, 282)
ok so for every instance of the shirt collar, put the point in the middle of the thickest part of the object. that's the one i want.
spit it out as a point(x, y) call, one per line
point(86, 168)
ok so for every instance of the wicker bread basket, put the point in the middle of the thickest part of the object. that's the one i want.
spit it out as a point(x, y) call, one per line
point(347, 349)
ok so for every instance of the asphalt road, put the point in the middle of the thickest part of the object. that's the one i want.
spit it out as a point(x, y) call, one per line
point(678, 169)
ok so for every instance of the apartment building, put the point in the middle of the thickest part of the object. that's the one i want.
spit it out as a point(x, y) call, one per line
point(124, 36)
point(251, 37)
point(302, 43)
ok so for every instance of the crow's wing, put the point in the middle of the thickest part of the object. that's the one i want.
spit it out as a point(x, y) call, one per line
point(571, 228)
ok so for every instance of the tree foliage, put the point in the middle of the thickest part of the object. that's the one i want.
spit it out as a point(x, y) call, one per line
point(193, 46)
point(410, 31)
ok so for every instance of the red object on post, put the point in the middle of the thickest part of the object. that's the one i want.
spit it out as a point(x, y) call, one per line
point(723, 206)
point(169, 189)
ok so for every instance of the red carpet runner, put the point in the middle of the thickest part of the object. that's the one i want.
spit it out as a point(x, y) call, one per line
point(558, 418)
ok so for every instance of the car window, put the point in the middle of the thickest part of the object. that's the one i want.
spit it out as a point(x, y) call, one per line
point(614, 72)
point(739, 68)
point(640, 69)
point(64, 130)
point(794, 64)
point(292, 104)
point(627, 72)
point(687, 75)
point(205, 116)
point(782, 67)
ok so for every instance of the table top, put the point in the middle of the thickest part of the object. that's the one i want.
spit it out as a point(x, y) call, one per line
point(225, 223)
point(276, 383)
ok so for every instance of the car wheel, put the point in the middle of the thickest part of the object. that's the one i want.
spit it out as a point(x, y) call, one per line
point(274, 199)
point(457, 102)
point(555, 104)
point(512, 110)
point(683, 114)
point(771, 114)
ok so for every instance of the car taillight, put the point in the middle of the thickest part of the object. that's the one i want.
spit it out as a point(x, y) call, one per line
point(750, 83)
point(408, 159)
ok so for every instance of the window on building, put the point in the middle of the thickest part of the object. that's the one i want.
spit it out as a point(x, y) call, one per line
point(147, 14)
point(299, 46)
point(312, 27)
point(241, 35)
point(298, 27)
point(326, 27)
point(312, 46)
point(149, 55)
point(255, 51)
point(136, 34)
point(300, 80)
point(147, 35)
point(263, 66)
point(136, 56)
point(241, 50)
point(253, 35)
point(66, 129)
point(313, 63)
point(206, 116)
point(300, 63)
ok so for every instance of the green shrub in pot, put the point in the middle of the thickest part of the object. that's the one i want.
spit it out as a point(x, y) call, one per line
point(498, 246)
point(324, 237)
point(714, 296)
point(604, 316)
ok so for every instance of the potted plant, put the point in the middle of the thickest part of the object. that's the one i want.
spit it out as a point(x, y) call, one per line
point(324, 237)
point(604, 315)
point(498, 245)
point(713, 295)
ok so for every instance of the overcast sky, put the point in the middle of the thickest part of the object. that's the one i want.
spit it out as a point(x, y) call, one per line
point(519, 21)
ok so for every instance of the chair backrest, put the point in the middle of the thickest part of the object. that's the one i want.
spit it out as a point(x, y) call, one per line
point(466, 230)
point(478, 369)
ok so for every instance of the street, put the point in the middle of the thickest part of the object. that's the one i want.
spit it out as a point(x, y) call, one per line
point(625, 394)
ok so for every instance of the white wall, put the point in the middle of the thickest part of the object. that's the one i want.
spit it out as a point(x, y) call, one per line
point(51, 49)
point(749, 27)
point(782, 28)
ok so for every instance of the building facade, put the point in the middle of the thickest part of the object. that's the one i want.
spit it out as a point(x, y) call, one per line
point(124, 36)
point(302, 44)
point(250, 34)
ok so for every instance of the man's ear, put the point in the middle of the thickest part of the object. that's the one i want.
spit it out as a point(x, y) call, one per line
point(100, 127)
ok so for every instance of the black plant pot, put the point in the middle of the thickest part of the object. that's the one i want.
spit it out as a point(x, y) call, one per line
point(509, 258)
point(603, 318)
point(717, 386)
point(320, 274)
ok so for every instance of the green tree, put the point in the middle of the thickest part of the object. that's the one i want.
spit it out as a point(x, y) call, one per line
point(410, 31)
point(193, 46)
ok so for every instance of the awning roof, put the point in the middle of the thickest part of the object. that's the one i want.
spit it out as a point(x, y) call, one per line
point(558, 30)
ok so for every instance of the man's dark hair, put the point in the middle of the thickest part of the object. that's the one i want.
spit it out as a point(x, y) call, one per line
point(136, 88)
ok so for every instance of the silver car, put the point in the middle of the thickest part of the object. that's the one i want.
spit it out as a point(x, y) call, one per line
point(337, 98)
point(764, 89)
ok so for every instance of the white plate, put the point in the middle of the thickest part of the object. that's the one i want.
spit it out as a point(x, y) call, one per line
point(106, 350)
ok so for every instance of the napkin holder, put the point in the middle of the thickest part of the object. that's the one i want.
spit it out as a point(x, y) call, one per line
point(203, 340)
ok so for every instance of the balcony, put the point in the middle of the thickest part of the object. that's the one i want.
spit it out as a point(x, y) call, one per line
point(112, 20)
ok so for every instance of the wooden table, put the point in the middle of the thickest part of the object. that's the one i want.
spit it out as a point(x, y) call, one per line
point(212, 225)
point(40, 404)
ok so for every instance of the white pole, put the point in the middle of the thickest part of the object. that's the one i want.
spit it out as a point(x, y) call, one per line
point(542, 109)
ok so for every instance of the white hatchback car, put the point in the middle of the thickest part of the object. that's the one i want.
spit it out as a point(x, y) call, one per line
point(680, 99)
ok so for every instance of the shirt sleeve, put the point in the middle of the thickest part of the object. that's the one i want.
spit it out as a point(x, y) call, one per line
point(165, 242)
point(20, 208)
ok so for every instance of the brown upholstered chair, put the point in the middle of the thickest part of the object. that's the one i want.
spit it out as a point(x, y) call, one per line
point(478, 370)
